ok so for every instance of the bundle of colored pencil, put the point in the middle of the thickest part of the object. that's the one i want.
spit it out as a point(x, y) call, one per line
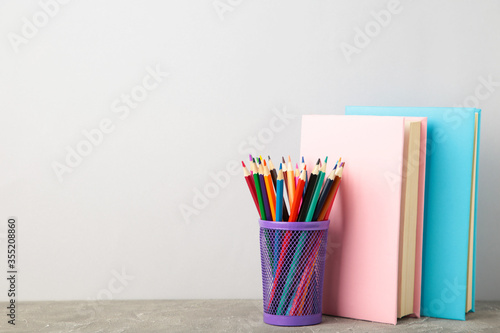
point(293, 196)
point(290, 195)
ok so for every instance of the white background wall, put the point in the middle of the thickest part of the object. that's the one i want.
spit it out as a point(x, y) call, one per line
point(118, 211)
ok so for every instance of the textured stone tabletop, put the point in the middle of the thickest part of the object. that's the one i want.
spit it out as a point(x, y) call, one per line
point(212, 316)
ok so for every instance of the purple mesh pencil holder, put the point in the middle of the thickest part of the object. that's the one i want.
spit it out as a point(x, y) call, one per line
point(293, 264)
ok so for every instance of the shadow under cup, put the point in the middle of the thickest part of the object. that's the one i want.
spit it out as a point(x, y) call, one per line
point(293, 264)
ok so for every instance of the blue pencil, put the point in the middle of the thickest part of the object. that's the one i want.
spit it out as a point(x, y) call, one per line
point(279, 195)
point(279, 214)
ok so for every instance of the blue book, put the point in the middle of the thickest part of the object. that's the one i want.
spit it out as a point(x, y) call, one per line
point(449, 237)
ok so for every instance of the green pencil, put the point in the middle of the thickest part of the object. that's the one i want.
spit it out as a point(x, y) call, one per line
point(262, 210)
point(317, 190)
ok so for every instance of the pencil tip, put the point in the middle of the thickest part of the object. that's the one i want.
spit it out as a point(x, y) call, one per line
point(280, 166)
point(268, 157)
point(243, 164)
point(340, 159)
point(342, 164)
point(319, 160)
point(264, 161)
point(289, 159)
point(302, 159)
point(253, 159)
point(283, 159)
point(326, 159)
point(297, 165)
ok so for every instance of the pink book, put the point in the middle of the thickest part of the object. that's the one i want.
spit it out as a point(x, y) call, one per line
point(363, 276)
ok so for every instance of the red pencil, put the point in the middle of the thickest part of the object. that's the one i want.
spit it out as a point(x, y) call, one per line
point(251, 185)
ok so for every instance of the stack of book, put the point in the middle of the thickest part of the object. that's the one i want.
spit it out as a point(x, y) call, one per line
point(402, 234)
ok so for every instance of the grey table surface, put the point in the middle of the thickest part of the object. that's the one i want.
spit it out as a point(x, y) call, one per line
point(212, 316)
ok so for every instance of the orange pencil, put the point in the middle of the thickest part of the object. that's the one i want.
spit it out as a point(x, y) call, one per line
point(294, 208)
point(327, 207)
point(271, 195)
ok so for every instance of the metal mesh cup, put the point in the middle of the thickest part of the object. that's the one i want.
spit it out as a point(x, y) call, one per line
point(293, 264)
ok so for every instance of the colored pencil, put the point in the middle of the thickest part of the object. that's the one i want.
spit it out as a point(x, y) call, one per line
point(290, 179)
point(285, 177)
point(307, 178)
point(272, 170)
point(279, 215)
point(303, 294)
point(316, 191)
point(297, 173)
point(267, 205)
point(258, 191)
point(294, 209)
point(279, 196)
point(325, 211)
point(324, 193)
point(252, 163)
point(318, 199)
point(279, 266)
point(286, 203)
point(300, 245)
point(335, 187)
point(312, 200)
point(251, 185)
point(298, 250)
point(305, 281)
point(270, 191)
point(264, 193)
point(285, 242)
point(306, 201)
point(250, 160)
point(291, 273)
